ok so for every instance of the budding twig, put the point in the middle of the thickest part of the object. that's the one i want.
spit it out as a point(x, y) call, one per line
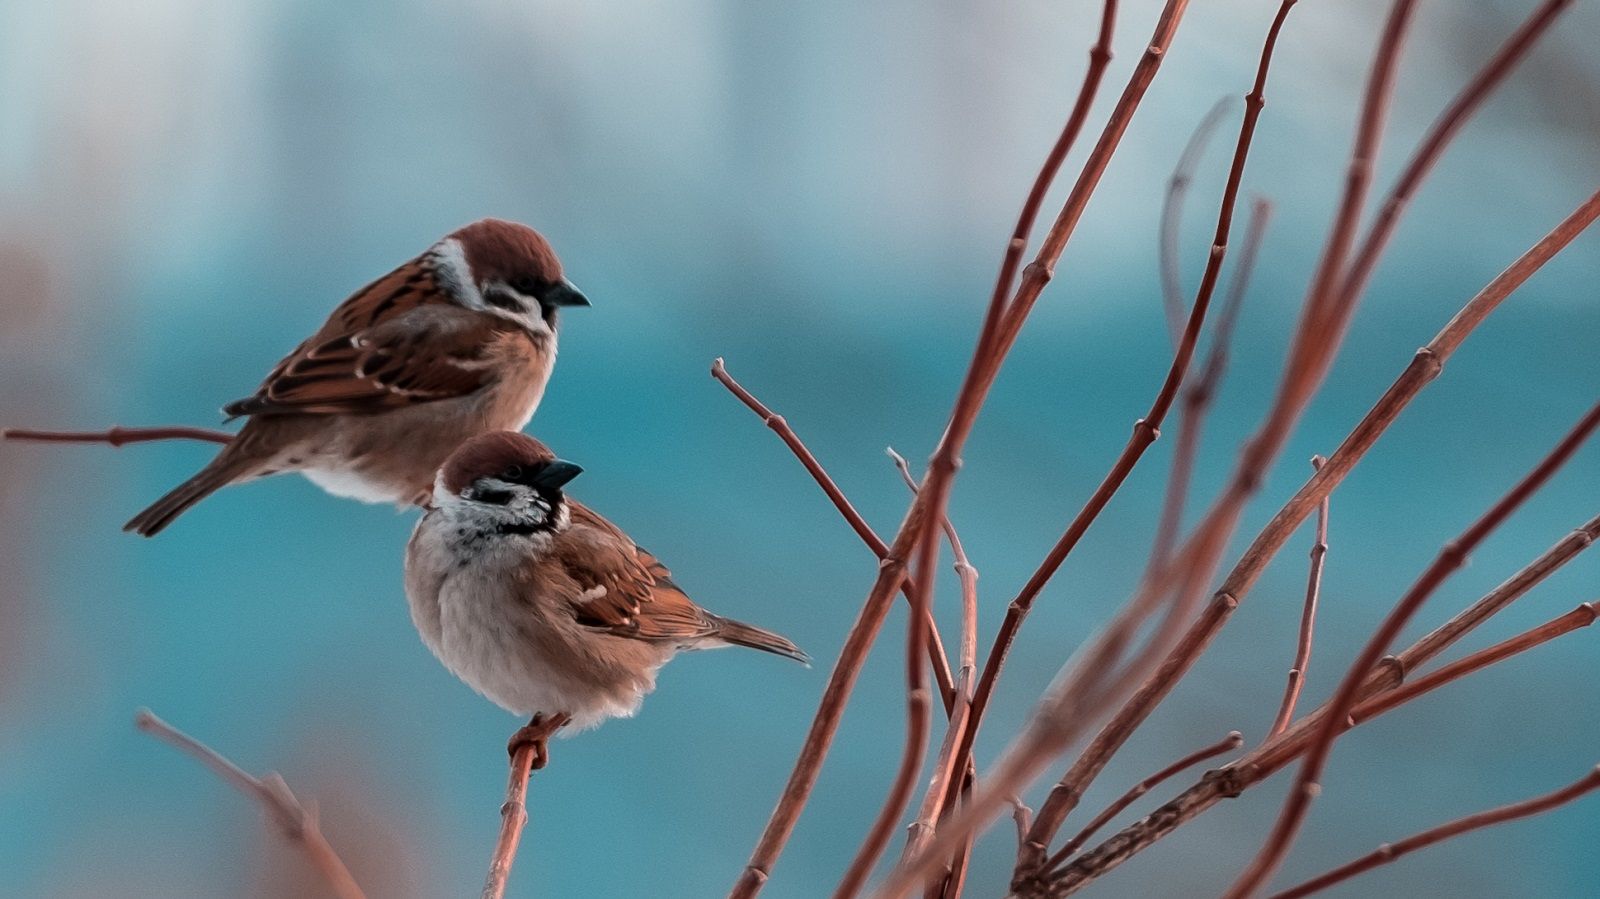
point(1308, 618)
point(296, 821)
point(1227, 744)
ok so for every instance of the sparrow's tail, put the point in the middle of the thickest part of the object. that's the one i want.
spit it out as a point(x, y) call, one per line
point(223, 470)
point(740, 634)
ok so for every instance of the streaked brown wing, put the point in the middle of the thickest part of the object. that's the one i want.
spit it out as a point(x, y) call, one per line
point(394, 343)
point(626, 590)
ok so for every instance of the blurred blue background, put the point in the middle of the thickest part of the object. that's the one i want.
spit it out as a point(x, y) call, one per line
point(820, 193)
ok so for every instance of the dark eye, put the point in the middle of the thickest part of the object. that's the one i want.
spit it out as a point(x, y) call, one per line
point(512, 474)
point(505, 300)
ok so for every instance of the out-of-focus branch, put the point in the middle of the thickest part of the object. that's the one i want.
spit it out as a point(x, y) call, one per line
point(1308, 618)
point(528, 755)
point(118, 435)
point(1200, 391)
point(1389, 852)
point(298, 823)
point(780, 426)
point(1172, 218)
point(1227, 744)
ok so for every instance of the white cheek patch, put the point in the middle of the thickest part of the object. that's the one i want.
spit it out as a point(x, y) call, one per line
point(454, 274)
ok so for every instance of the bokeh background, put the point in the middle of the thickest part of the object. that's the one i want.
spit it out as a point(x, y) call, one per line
point(820, 193)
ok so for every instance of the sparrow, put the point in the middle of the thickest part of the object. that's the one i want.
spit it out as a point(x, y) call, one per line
point(456, 342)
point(540, 604)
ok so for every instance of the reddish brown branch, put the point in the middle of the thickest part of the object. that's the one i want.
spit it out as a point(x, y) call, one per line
point(943, 767)
point(1581, 617)
point(780, 426)
point(1145, 429)
point(514, 811)
point(1452, 557)
point(118, 435)
point(1002, 321)
point(1308, 618)
point(1227, 744)
point(296, 821)
point(1389, 852)
point(1425, 366)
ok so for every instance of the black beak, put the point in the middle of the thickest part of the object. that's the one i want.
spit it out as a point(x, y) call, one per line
point(562, 293)
point(556, 474)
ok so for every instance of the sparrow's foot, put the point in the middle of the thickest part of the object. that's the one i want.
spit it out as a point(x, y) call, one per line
point(536, 734)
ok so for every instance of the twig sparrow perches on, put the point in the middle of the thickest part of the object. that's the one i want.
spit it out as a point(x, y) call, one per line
point(540, 604)
point(456, 342)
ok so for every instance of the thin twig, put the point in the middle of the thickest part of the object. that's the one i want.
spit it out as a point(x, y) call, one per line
point(1389, 852)
point(514, 811)
point(1308, 618)
point(1425, 366)
point(298, 823)
point(1227, 744)
point(1581, 617)
point(118, 435)
point(1172, 218)
point(1453, 556)
point(780, 426)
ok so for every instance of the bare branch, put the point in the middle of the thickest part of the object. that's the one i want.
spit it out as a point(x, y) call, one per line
point(1227, 744)
point(1265, 760)
point(296, 822)
point(1389, 852)
point(780, 426)
point(1002, 322)
point(528, 755)
point(1424, 367)
point(118, 435)
point(1308, 618)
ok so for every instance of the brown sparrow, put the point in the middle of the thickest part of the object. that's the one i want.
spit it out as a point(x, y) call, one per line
point(540, 604)
point(458, 341)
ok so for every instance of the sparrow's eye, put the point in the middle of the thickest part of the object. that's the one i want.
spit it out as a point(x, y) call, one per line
point(513, 474)
point(504, 299)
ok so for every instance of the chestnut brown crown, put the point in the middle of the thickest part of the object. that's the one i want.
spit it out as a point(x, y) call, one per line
point(509, 252)
point(502, 455)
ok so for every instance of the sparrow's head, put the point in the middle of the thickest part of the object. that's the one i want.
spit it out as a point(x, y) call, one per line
point(508, 478)
point(507, 270)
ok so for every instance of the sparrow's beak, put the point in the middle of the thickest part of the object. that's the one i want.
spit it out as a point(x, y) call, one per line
point(563, 293)
point(556, 474)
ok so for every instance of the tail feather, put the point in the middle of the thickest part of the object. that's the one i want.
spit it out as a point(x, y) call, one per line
point(740, 634)
point(220, 473)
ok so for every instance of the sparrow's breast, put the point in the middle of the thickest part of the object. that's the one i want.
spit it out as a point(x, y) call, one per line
point(488, 616)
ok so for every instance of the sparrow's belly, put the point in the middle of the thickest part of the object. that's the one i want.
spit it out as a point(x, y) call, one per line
point(504, 646)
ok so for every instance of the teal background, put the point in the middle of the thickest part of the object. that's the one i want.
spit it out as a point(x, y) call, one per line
point(820, 193)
